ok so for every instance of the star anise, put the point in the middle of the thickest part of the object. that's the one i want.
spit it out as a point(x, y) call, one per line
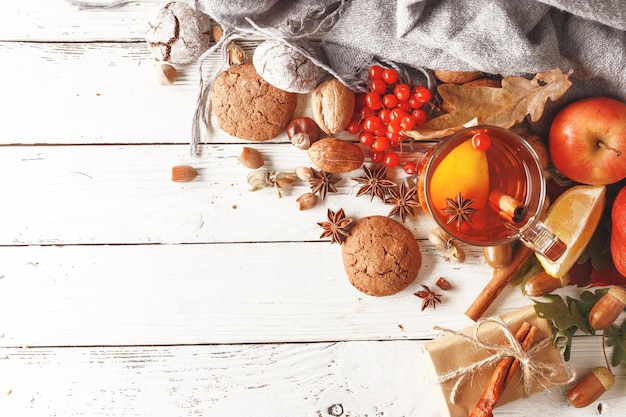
point(374, 182)
point(403, 200)
point(322, 182)
point(459, 210)
point(429, 297)
point(336, 227)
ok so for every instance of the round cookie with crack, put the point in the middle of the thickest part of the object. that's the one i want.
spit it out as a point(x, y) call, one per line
point(248, 107)
point(381, 256)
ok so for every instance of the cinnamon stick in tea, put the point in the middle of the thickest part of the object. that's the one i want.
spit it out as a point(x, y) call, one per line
point(501, 375)
point(508, 207)
point(498, 282)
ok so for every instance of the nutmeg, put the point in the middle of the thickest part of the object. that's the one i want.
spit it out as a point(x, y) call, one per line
point(333, 106)
point(336, 155)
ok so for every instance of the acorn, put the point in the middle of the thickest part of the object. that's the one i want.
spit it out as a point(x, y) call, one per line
point(591, 387)
point(606, 310)
point(542, 283)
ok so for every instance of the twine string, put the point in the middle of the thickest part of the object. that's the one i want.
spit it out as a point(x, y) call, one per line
point(531, 368)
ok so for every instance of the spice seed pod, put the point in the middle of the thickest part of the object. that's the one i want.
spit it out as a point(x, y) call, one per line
point(591, 387)
point(606, 310)
point(541, 284)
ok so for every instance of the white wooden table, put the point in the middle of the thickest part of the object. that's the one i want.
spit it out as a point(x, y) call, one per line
point(123, 293)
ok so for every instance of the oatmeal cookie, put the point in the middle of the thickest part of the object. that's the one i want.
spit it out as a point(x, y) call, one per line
point(381, 256)
point(248, 107)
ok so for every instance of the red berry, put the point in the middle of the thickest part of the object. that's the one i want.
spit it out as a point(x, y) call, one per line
point(380, 144)
point(391, 159)
point(353, 127)
point(390, 101)
point(402, 91)
point(392, 136)
point(366, 138)
point(377, 157)
point(396, 114)
point(404, 106)
point(384, 115)
point(373, 101)
point(394, 126)
point(390, 76)
point(366, 111)
point(410, 167)
point(415, 103)
point(423, 94)
point(378, 86)
point(375, 72)
point(420, 116)
point(481, 141)
point(372, 123)
point(408, 122)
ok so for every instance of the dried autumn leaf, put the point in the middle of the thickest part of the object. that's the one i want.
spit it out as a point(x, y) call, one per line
point(504, 107)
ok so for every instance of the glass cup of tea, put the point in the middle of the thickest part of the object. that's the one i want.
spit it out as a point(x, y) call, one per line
point(485, 187)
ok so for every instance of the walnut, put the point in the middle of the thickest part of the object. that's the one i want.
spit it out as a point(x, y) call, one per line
point(178, 33)
point(284, 67)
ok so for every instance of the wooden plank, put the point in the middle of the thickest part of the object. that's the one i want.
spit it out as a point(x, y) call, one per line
point(217, 293)
point(35, 20)
point(123, 194)
point(312, 379)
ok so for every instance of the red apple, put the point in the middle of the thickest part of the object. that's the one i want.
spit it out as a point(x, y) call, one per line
point(618, 231)
point(588, 141)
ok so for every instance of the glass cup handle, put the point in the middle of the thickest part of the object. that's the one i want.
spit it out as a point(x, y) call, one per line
point(540, 239)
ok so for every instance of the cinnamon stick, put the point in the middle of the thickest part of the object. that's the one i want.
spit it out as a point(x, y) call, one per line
point(501, 375)
point(509, 208)
point(498, 282)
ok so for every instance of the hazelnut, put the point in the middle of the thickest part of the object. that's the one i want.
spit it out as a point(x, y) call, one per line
point(306, 201)
point(303, 132)
point(251, 158)
point(304, 173)
point(184, 173)
point(166, 74)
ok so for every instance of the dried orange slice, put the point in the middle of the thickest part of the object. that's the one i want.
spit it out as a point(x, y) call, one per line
point(464, 170)
point(573, 217)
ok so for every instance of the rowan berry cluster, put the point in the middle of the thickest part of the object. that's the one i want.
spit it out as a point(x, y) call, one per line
point(382, 114)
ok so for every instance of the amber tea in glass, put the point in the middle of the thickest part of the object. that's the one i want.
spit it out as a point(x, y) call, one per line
point(497, 208)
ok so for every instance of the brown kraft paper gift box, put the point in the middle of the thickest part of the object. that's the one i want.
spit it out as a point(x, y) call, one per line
point(452, 352)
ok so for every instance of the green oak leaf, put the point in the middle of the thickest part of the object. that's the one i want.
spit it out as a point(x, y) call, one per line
point(563, 341)
point(616, 338)
point(559, 313)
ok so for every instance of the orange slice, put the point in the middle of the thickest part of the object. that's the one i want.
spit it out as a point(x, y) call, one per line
point(464, 170)
point(573, 217)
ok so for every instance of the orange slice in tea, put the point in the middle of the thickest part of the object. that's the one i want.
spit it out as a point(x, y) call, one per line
point(464, 170)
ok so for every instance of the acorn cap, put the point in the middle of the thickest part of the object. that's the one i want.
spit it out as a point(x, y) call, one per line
point(619, 293)
point(605, 376)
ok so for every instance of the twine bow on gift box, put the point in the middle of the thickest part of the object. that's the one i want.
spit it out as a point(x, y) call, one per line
point(531, 368)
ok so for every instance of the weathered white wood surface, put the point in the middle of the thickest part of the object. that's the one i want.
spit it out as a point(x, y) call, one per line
point(122, 293)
